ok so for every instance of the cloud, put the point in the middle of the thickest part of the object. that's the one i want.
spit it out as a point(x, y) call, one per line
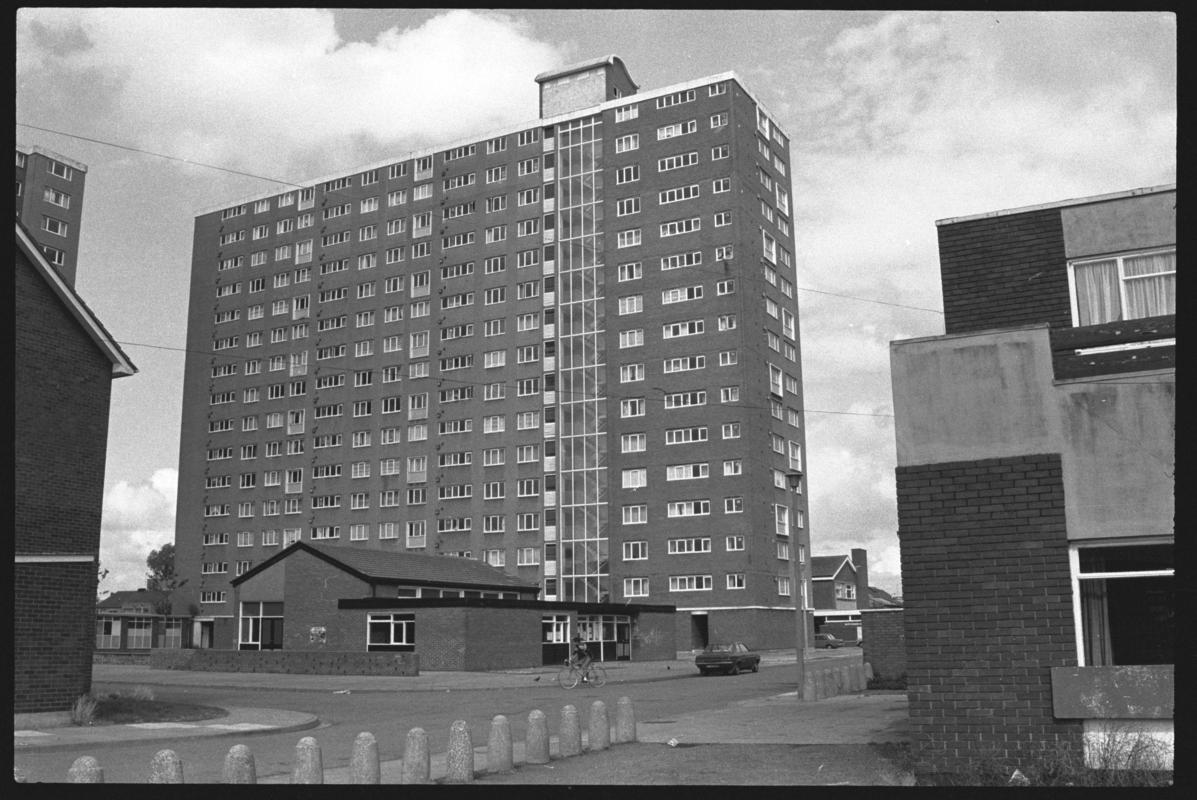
point(137, 518)
point(266, 91)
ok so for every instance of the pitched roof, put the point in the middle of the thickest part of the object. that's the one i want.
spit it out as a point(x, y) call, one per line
point(394, 567)
point(121, 365)
point(827, 567)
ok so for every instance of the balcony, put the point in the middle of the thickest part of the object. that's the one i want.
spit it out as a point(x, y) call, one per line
point(1114, 347)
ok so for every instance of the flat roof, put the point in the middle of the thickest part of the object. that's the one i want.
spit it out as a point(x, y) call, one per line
point(33, 148)
point(474, 139)
point(1079, 201)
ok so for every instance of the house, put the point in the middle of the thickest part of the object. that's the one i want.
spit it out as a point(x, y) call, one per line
point(133, 622)
point(455, 613)
point(1035, 483)
point(64, 365)
point(840, 589)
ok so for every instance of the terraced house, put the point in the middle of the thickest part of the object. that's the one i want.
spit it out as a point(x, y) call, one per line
point(567, 348)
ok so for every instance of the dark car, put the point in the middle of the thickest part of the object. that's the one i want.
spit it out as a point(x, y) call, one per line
point(727, 658)
point(828, 640)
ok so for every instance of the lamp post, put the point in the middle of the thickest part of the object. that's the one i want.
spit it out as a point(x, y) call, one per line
point(795, 480)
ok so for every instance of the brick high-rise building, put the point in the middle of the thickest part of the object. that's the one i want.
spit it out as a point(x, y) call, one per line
point(568, 348)
point(49, 203)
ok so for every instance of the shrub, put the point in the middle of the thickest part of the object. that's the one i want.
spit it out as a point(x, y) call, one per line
point(83, 712)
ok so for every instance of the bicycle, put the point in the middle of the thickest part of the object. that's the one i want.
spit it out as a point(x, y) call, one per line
point(571, 674)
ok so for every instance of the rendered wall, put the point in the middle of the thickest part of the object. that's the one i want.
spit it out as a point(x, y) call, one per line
point(992, 395)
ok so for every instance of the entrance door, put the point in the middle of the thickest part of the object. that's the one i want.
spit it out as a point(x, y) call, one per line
point(698, 631)
point(206, 633)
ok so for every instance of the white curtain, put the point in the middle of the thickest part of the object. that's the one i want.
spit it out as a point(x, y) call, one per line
point(1097, 293)
point(1150, 285)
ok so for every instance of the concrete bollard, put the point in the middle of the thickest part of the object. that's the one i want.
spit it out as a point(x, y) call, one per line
point(821, 684)
point(459, 761)
point(499, 755)
point(364, 762)
point(599, 727)
point(166, 767)
point(85, 769)
point(625, 720)
point(417, 765)
point(808, 686)
point(239, 766)
point(857, 678)
point(309, 767)
point(868, 671)
point(536, 745)
point(569, 737)
point(841, 680)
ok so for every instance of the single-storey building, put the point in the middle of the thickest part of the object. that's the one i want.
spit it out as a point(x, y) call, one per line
point(455, 613)
point(136, 621)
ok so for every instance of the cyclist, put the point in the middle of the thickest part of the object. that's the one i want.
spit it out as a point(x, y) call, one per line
point(580, 657)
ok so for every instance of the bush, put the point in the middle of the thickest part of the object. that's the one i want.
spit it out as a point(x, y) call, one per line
point(83, 712)
point(1125, 757)
point(898, 682)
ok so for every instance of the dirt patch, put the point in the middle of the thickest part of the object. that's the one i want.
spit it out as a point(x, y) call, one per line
point(127, 710)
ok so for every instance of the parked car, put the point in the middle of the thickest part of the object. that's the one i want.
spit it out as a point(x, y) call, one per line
point(728, 658)
point(828, 640)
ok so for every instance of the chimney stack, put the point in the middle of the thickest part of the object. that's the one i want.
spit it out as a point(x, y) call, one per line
point(860, 560)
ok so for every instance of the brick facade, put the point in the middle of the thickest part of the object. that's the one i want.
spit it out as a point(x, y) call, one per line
point(999, 272)
point(759, 628)
point(884, 642)
point(53, 631)
point(988, 608)
point(61, 396)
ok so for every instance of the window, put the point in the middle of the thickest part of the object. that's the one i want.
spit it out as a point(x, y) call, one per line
point(1124, 606)
point(678, 194)
point(1123, 287)
point(57, 227)
point(635, 514)
point(630, 272)
point(677, 162)
point(628, 174)
point(720, 151)
point(635, 551)
point(631, 338)
point(627, 113)
point(631, 407)
point(631, 304)
point(734, 542)
point(689, 583)
point(629, 205)
point(635, 478)
point(629, 373)
point(719, 120)
point(735, 580)
point(629, 142)
point(391, 632)
point(694, 544)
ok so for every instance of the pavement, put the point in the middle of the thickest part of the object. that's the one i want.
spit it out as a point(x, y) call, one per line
point(871, 725)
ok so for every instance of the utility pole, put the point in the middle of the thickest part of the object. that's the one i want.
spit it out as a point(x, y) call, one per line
point(799, 571)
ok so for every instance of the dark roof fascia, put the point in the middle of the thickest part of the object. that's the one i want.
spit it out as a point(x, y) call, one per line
point(485, 602)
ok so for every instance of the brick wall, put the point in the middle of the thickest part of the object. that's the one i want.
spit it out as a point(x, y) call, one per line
point(330, 662)
point(53, 634)
point(988, 608)
point(62, 383)
point(501, 638)
point(654, 636)
point(884, 642)
point(1001, 272)
point(313, 587)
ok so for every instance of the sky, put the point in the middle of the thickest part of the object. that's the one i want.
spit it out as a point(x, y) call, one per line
point(897, 119)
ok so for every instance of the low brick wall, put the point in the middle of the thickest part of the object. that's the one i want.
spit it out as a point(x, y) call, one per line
point(884, 642)
point(121, 657)
point(834, 676)
point(288, 661)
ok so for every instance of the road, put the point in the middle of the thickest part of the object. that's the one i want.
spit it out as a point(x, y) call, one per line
point(389, 716)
